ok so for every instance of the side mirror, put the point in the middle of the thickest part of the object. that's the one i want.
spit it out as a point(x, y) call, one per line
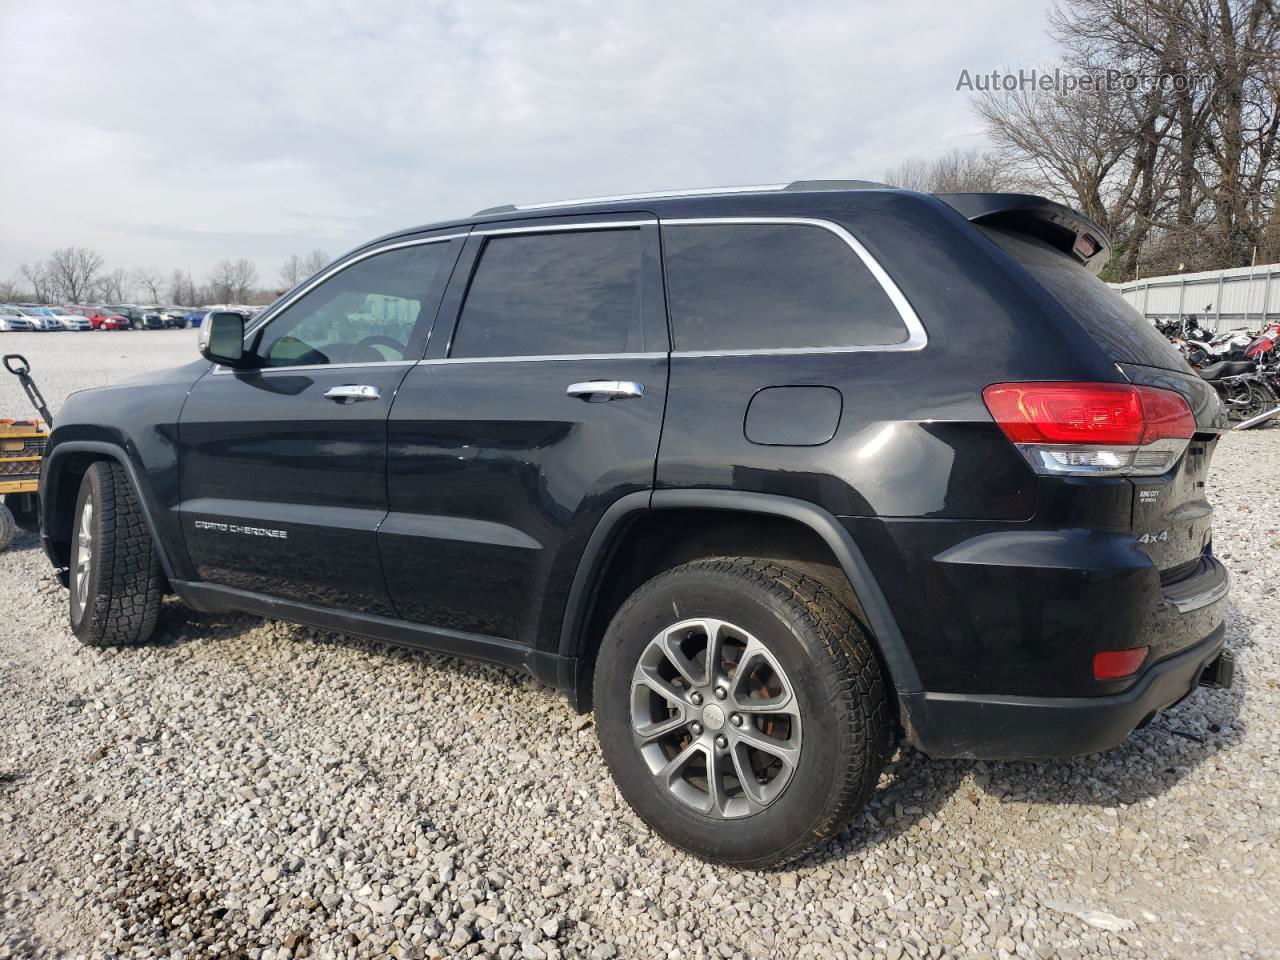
point(222, 338)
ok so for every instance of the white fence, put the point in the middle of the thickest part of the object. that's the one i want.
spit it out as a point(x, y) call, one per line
point(1220, 299)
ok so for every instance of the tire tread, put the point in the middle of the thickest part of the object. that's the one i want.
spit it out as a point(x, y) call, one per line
point(129, 587)
point(855, 683)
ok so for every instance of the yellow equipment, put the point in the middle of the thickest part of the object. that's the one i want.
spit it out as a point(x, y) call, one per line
point(22, 444)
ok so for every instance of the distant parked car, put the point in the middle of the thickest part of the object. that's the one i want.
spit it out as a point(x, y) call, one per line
point(151, 319)
point(175, 318)
point(127, 310)
point(72, 319)
point(109, 320)
point(12, 320)
point(102, 318)
point(42, 318)
point(195, 317)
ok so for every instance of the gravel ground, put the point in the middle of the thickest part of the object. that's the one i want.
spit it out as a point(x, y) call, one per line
point(241, 788)
point(65, 362)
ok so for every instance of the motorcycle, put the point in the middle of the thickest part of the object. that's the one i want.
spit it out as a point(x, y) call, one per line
point(1265, 347)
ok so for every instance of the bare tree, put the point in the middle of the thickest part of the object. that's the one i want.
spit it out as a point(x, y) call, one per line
point(1180, 161)
point(73, 272)
point(113, 287)
point(960, 171)
point(232, 281)
point(245, 275)
point(150, 280)
point(291, 272)
point(10, 291)
point(314, 262)
point(182, 289)
point(38, 279)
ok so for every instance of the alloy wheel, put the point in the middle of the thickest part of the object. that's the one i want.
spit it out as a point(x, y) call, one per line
point(715, 718)
point(84, 554)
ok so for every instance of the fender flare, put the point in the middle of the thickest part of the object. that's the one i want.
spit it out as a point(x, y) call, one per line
point(884, 625)
point(109, 451)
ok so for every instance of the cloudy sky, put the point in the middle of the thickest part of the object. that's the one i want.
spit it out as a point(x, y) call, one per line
point(175, 134)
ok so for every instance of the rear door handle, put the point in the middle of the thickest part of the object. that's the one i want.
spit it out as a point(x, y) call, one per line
point(605, 389)
point(352, 393)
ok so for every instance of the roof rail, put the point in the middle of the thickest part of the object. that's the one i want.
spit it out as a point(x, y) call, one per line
point(696, 192)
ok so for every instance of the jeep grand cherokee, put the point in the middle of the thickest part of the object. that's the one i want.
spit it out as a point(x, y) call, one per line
point(769, 478)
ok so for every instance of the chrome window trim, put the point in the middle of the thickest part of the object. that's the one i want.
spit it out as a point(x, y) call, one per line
point(270, 314)
point(219, 370)
point(566, 227)
point(540, 358)
point(917, 338)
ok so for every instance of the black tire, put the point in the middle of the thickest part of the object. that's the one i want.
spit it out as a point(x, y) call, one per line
point(120, 599)
point(24, 507)
point(8, 527)
point(1261, 399)
point(828, 662)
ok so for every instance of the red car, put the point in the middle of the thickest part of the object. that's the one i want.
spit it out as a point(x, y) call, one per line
point(102, 318)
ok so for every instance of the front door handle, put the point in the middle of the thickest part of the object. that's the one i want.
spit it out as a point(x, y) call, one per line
point(352, 393)
point(606, 389)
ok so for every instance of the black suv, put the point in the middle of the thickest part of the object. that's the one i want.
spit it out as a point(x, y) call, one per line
point(768, 478)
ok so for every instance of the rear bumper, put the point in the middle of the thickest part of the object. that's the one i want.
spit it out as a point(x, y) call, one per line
point(1011, 728)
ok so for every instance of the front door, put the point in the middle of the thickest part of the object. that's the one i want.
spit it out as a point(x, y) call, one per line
point(510, 441)
point(282, 468)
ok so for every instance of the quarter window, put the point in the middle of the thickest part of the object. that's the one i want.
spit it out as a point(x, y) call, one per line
point(762, 286)
point(573, 292)
point(375, 311)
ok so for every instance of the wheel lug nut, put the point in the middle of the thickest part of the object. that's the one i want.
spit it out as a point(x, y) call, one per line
point(696, 728)
point(722, 741)
point(695, 698)
point(736, 719)
point(721, 693)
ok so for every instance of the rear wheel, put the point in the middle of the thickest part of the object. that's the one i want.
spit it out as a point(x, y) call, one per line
point(741, 710)
point(116, 581)
point(1246, 398)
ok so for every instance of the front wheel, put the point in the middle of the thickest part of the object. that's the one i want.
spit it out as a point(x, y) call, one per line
point(741, 710)
point(116, 581)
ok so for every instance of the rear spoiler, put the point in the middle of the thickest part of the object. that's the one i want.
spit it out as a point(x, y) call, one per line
point(1059, 226)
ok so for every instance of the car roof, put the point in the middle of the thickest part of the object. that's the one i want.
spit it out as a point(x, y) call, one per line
point(1053, 222)
point(669, 203)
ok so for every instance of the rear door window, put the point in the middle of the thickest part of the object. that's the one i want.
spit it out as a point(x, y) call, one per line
point(554, 294)
point(767, 286)
point(1125, 334)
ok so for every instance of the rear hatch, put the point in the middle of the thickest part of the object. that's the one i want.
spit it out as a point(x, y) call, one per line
point(1171, 515)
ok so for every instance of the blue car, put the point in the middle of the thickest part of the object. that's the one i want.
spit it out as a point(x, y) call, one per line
point(194, 318)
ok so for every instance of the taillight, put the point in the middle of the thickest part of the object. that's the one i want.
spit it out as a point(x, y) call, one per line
point(1114, 664)
point(1093, 429)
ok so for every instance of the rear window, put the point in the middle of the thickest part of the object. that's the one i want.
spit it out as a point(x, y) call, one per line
point(576, 292)
point(753, 286)
point(1120, 330)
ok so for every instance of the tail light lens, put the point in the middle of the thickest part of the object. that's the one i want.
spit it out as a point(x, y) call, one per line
point(1115, 664)
point(1093, 429)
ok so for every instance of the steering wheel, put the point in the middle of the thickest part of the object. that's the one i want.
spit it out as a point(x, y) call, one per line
point(378, 340)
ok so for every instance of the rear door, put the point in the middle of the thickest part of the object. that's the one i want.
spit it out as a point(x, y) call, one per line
point(282, 469)
point(541, 408)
